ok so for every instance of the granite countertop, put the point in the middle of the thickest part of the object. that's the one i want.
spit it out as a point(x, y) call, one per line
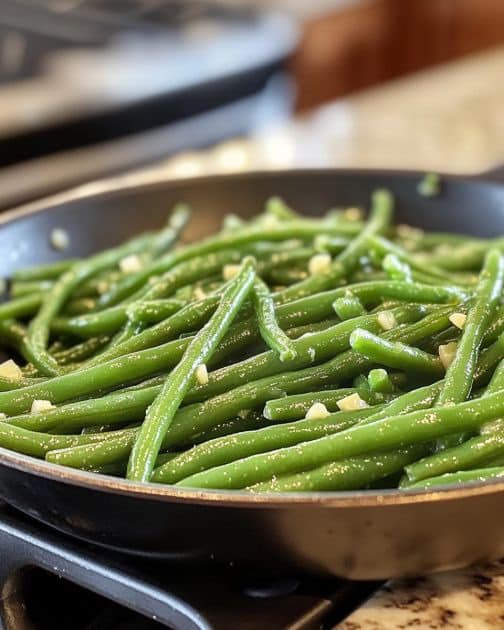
point(447, 119)
point(469, 599)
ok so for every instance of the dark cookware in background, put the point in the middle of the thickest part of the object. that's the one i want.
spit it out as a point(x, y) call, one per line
point(359, 535)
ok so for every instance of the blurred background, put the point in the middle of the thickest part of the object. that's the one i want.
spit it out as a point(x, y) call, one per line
point(153, 89)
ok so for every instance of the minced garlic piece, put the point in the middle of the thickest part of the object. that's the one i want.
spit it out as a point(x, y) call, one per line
point(2, 416)
point(353, 214)
point(447, 353)
point(202, 374)
point(317, 411)
point(387, 320)
point(10, 369)
point(230, 271)
point(39, 406)
point(351, 403)
point(130, 264)
point(102, 287)
point(199, 294)
point(59, 239)
point(320, 263)
point(458, 319)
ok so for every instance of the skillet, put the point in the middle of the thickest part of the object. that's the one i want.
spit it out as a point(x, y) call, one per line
point(357, 535)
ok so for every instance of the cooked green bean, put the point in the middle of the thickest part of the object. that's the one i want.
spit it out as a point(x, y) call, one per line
point(302, 228)
point(460, 373)
point(396, 354)
point(199, 417)
point(348, 307)
point(270, 331)
point(379, 381)
point(296, 406)
point(237, 446)
point(184, 358)
point(160, 414)
point(346, 262)
point(346, 474)
point(392, 432)
point(464, 476)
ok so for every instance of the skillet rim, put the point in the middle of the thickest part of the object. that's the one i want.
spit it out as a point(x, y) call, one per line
point(233, 498)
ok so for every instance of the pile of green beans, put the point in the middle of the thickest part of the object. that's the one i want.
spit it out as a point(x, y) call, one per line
point(281, 354)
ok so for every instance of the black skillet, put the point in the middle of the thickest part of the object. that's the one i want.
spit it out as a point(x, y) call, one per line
point(359, 535)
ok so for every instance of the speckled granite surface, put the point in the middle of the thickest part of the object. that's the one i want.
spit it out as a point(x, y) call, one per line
point(470, 599)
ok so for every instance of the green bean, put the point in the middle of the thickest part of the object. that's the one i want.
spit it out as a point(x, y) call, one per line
point(190, 271)
point(307, 329)
point(459, 375)
point(379, 381)
point(385, 247)
point(395, 354)
point(20, 307)
point(348, 307)
point(310, 349)
point(488, 360)
point(464, 476)
point(276, 207)
point(24, 288)
point(347, 261)
point(44, 272)
point(115, 408)
point(420, 398)
point(306, 310)
point(302, 228)
point(392, 432)
point(468, 455)
point(296, 406)
point(497, 380)
point(430, 185)
point(237, 446)
point(38, 331)
point(110, 320)
point(346, 474)
point(38, 444)
point(101, 377)
point(396, 268)
point(194, 419)
point(160, 414)
point(270, 331)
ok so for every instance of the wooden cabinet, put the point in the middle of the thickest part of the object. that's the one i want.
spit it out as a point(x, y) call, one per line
point(376, 40)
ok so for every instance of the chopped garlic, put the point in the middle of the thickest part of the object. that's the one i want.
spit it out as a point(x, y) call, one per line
point(199, 294)
point(270, 221)
point(2, 416)
point(202, 374)
point(244, 413)
point(319, 263)
point(38, 406)
point(353, 214)
point(10, 369)
point(130, 264)
point(447, 353)
point(387, 320)
point(458, 319)
point(317, 411)
point(102, 287)
point(59, 239)
point(230, 271)
point(351, 403)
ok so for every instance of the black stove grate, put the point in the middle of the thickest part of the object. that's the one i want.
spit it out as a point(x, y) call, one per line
point(51, 581)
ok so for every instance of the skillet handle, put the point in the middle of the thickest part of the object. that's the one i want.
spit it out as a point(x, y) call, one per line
point(23, 546)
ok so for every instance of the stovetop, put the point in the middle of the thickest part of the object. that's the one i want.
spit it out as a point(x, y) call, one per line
point(50, 581)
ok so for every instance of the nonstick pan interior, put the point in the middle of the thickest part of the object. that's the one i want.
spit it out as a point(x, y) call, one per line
point(357, 535)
